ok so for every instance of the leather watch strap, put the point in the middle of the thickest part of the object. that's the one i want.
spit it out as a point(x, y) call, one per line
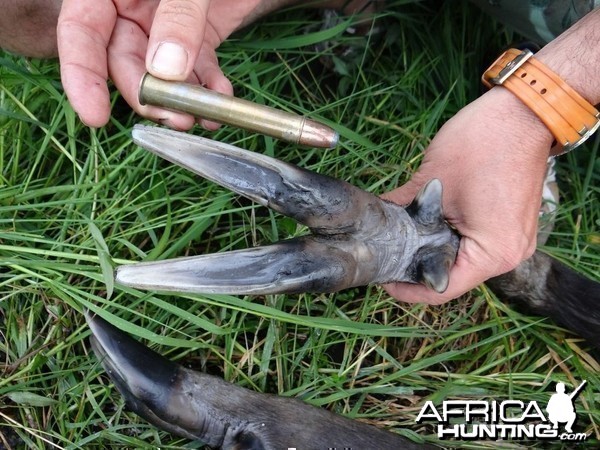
point(568, 116)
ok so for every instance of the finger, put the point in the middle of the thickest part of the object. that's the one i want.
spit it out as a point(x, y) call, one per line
point(83, 34)
point(473, 266)
point(126, 68)
point(207, 65)
point(176, 38)
point(464, 276)
point(210, 75)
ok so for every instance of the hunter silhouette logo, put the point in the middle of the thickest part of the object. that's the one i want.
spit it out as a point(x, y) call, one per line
point(508, 419)
point(560, 407)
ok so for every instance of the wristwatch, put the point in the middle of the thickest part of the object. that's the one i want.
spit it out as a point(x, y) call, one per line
point(568, 116)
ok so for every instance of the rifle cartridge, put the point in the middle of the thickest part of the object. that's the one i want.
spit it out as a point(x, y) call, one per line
point(201, 102)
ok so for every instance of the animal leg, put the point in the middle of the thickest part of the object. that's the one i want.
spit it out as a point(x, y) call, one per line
point(206, 408)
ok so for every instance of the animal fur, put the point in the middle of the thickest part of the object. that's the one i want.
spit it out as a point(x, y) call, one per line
point(549, 288)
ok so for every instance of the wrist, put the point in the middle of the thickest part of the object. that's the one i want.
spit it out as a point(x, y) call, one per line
point(521, 127)
point(569, 116)
point(556, 84)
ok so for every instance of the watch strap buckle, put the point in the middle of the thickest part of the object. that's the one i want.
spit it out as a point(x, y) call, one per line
point(490, 80)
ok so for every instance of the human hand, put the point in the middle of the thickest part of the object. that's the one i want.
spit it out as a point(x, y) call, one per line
point(122, 39)
point(491, 158)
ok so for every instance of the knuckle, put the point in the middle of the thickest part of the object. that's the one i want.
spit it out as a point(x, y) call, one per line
point(512, 256)
point(506, 264)
point(181, 12)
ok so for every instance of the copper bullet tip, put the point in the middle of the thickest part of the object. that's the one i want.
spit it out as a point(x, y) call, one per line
point(315, 134)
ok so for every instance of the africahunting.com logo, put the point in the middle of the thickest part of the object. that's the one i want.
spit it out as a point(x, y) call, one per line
point(508, 419)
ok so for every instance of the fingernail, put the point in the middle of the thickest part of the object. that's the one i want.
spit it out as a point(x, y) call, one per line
point(169, 60)
point(209, 125)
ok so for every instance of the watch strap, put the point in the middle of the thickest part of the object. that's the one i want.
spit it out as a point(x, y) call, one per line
point(568, 116)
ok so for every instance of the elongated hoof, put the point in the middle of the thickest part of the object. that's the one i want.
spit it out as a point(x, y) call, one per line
point(357, 238)
point(203, 407)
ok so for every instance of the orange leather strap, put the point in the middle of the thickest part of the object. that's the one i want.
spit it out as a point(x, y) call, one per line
point(568, 116)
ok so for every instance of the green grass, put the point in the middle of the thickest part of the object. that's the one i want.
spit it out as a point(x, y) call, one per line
point(75, 202)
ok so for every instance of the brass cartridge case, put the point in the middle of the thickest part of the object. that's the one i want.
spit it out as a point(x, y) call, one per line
point(201, 102)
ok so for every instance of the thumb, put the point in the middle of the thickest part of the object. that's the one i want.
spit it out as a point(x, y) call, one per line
point(176, 38)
